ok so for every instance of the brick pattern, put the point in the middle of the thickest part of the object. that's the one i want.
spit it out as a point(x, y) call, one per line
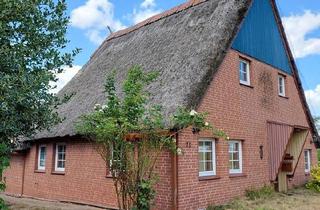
point(84, 180)
point(13, 175)
point(242, 112)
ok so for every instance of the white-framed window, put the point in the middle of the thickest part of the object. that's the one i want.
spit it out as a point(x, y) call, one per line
point(307, 161)
point(60, 159)
point(235, 157)
point(244, 72)
point(282, 85)
point(115, 156)
point(42, 150)
point(207, 157)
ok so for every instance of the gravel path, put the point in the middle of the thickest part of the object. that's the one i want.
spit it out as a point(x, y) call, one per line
point(34, 204)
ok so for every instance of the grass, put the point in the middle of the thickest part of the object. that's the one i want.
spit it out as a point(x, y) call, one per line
point(266, 199)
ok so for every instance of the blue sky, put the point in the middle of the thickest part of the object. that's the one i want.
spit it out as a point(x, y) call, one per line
point(89, 19)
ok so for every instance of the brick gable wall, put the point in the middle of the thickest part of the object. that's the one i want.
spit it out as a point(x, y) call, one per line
point(242, 112)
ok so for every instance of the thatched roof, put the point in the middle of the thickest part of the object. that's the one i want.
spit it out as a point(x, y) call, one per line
point(185, 44)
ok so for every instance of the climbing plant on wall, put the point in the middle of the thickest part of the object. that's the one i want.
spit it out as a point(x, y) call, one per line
point(130, 135)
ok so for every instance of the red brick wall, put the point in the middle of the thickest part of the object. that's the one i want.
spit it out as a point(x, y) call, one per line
point(84, 180)
point(13, 175)
point(242, 112)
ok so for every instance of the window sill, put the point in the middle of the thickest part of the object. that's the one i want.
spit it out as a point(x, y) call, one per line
point(40, 171)
point(245, 85)
point(285, 97)
point(203, 178)
point(237, 175)
point(307, 173)
point(58, 173)
point(109, 176)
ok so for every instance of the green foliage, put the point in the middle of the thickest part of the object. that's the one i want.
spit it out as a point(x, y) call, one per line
point(262, 193)
point(130, 135)
point(317, 122)
point(32, 38)
point(146, 194)
point(314, 183)
point(3, 205)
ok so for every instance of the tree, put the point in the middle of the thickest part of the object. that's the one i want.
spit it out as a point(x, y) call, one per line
point(317, 122)
point(130, 134)
point(32, 37)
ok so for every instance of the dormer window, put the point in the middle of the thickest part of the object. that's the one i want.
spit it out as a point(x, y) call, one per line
point(244, 72)
point(282, 85)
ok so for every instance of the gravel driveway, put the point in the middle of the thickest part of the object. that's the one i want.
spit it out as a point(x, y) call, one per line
point(33, 204)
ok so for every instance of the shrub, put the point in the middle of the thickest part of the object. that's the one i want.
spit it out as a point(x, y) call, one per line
point(264, 192)
point(314, 183)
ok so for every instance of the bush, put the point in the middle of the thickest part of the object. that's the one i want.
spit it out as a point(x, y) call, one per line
point(314, 183)
point(264, 192)
point(3, 205)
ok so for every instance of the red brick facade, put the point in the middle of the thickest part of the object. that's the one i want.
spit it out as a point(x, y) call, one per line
point(241, 111)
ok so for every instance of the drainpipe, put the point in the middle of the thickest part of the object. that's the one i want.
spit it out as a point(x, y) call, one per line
point(175, 178)
point(23, 174)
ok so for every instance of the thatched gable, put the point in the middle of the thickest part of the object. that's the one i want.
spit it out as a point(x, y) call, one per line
point(186, 45)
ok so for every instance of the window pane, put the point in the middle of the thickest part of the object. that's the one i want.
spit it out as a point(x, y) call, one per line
point(209, 166)
point(60, 164)
point(41, 163)
point(236, 165)
point(208, 156)
point(231, 164)
point(208, 146)
point(236, 147)
point(231, 146)
point(201, 156)
point(235, 156)
point(243, 71)
point(201, 166)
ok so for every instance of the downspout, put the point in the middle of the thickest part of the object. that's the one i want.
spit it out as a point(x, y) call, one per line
point(175, 178)
point(23, 174)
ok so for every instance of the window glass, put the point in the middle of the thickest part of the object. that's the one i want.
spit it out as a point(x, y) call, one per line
point(307, 161)
point(244, 72)
point(42, 158)
point(60, 157)
point(235, 157)
point(206, 158)
point(281, 84)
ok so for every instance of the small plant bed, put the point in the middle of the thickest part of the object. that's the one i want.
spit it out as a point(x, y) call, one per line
point(264, 199)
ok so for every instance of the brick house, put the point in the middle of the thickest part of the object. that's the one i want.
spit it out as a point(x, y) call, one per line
point(229, 58)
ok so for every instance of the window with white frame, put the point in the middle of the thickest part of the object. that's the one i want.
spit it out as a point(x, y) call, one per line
point(42, 157)
point(207, 157)
point(115, 156)
point(307, 161)
point(235, 157)
point(282, 85)
point(244, 72)
point(60, 157)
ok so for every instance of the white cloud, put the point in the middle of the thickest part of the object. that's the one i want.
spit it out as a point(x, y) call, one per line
point(313, 98)
point(94, 17)
point(297, 28)
point(64, 77)
point(147, 9)
point(148, 3)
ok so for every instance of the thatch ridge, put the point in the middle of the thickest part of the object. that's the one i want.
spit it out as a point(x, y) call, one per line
point(186, 47)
